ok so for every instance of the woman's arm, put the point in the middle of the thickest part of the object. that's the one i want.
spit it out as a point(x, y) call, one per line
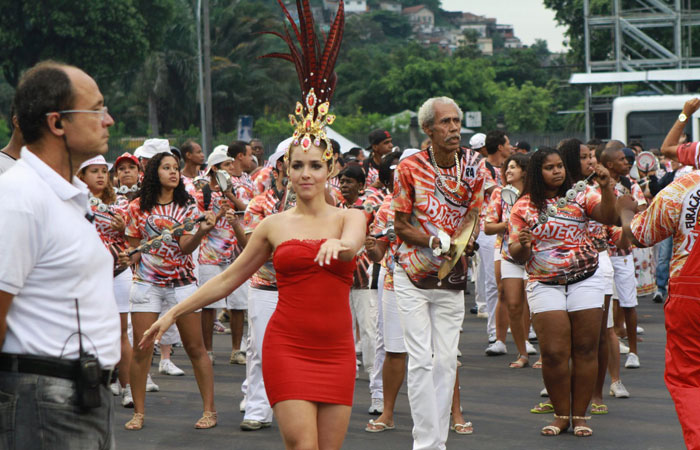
point(376, 248)
point(352, 238)
point(605, 211)
point(495, 228)
point(190, 242)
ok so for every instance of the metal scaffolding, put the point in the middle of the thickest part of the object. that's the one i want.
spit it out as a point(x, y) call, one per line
point(644, 36)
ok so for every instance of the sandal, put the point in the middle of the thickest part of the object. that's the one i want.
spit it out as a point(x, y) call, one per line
point(543, 408)
point(519, 363)
point(537, 365)
point(208, 420)
point(582, 430)
point(553, 430)
point(377, 427)
point(136, 422)
point(599, 409)
point(463, 428)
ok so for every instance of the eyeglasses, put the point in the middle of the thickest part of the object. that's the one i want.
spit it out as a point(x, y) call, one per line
point(102, 112)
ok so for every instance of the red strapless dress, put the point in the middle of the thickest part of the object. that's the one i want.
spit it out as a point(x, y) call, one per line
point(308, 348)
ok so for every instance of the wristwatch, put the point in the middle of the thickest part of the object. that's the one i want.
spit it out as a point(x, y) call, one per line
point(682, 117)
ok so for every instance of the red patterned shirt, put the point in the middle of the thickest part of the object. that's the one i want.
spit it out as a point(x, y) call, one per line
point(243, 187)
point(115, 241)
point(561, 247)
point(498, 211)
point(673, 212)
point(638, 195)
point(383, 220)
point(262, 180)
point(167, 265)
point(220, 246)
point(689, 154)
point(419, 191)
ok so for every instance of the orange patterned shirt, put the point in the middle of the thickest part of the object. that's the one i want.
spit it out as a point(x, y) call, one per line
point(673, 212)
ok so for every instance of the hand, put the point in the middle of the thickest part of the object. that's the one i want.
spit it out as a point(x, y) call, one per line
point(222, 210)
point(209, 223)
point(370, 243)
point(118, 223)
point(691, 106)
point(603, 176)
point(330, 251)
point(525, 237)
point(626, 202)
point(232, 218)
point(155, 332)
point(123, 260)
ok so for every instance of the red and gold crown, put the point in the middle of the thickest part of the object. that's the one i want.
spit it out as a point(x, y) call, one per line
point(315, 70)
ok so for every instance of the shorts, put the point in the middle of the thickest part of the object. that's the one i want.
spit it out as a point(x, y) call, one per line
point(496, 254)
point(512, 270)
point(238, 299)
point(147, 297)
point(122, 286)
point(586, 294)
point(393, 333)
point(206, 273)
point(625, 280)
point(606, 270)
point(611, 322)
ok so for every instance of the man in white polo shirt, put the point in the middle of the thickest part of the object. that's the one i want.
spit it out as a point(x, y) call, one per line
point(54, 269)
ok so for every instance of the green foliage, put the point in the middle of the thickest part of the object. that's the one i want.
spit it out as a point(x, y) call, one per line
point(5, 132)
point(357, 124)
point(525, 108)
point(272, 126)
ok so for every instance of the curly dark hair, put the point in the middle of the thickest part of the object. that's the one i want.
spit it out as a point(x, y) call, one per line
point(570, 150)
point(534, 181)
point(521, 159)
point(386, 173)
point(150, 186)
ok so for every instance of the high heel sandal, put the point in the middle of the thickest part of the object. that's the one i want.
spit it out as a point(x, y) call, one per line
point(553, 430)
point(582, 430)
point(208, 420)
point(136, 422)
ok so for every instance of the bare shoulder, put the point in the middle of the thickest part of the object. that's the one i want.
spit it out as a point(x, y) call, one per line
point(352, 216)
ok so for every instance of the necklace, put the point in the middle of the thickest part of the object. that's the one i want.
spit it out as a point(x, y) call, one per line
point(440, 177)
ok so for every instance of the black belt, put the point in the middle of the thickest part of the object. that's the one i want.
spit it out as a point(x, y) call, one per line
point(266, 288)
point(567, 281)
point(48, 366)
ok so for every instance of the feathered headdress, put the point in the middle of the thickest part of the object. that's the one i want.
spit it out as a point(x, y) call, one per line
point(315, 69)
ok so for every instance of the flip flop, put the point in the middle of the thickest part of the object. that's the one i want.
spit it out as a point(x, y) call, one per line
point(583, 431)
point(537, 365)
point(381, 427)
point(599, 409)
point(543, 408)
point(519, 363)
point(462, 428)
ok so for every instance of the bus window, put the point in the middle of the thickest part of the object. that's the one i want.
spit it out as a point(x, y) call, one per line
point(650, 127)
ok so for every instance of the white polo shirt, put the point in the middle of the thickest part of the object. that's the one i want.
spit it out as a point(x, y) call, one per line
point(49, 256)
point(6, 161)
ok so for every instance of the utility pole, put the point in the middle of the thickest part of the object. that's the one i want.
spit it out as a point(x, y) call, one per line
point(207, 144)
point(200, 69)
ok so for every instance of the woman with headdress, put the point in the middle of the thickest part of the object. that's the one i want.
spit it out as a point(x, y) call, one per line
point(308, 350)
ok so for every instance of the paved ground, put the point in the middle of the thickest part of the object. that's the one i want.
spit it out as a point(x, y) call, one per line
point(496, 399)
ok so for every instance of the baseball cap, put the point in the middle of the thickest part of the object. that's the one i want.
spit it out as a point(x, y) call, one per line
point(216, 157)
point(523, 145)
point(409, 152)
point(126, 156)
point(97, 160)
point(220, 148)
point(151, 147)
point(477, 141)
point(377, 136)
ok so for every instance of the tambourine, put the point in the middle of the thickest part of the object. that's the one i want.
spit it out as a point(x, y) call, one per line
point(510, 194)
point(223, 179)
point(369, 208)
point(389, 233)
point(552, 210)
point(166, 236)
point(646, 162)
point(199, 182)
point(459, 243)
point(101, 207)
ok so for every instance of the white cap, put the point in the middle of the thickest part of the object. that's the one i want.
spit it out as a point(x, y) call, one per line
point(151, 147)
point(97, 160)
point(409, 152)
point(216, 157)
point(221, 148)
point(477, 141)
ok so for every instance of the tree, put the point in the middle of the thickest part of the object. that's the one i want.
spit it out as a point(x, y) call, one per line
point(96, 35)
point(525, 108)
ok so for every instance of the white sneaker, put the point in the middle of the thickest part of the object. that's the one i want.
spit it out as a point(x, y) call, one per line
point(167, 367)
point(632, 361)
point(624, 349)
point(497, 348)
point(242, 404)
point(377, 407)
point(492, 338)
point(211, 357)
point(617, 389)
point(115, 388)
point(640, 330)
point(150, 385)
point(482, 313)
point(531, 350)
point(127, 398)
point(459, 353)
point(532, 335)
point(544, 393)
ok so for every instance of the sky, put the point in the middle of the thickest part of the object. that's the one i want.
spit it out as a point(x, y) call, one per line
point(530, 19)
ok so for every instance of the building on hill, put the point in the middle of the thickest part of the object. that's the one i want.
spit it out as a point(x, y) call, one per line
point(388, 5)
point(422, 19)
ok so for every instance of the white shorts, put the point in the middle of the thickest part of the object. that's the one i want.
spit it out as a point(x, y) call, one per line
point(122, 286)
point(393, 333)
point(606, 270)
point(238, 299)
point(611, 322)
point(146, 297)
point(206, 273)
point(511, 270)
point(625, 280)
point(496, 254)
point(586, 294)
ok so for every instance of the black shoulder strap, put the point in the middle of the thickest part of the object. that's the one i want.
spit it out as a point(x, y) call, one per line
point(206, 196)
point(626, 183)
point(491, 169)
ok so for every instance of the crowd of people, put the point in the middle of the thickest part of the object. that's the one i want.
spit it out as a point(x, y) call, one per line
point(329, 255)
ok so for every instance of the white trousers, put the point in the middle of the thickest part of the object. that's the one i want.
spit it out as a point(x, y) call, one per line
point(625, 280)
point(363, 305)
point(261, 305)
point(376, 385)
point(431, 319)
point(486, 288)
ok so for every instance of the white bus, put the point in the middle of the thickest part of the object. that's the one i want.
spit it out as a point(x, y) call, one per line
point(648, 118)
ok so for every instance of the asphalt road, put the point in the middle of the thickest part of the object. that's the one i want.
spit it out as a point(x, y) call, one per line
point(496, 399)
